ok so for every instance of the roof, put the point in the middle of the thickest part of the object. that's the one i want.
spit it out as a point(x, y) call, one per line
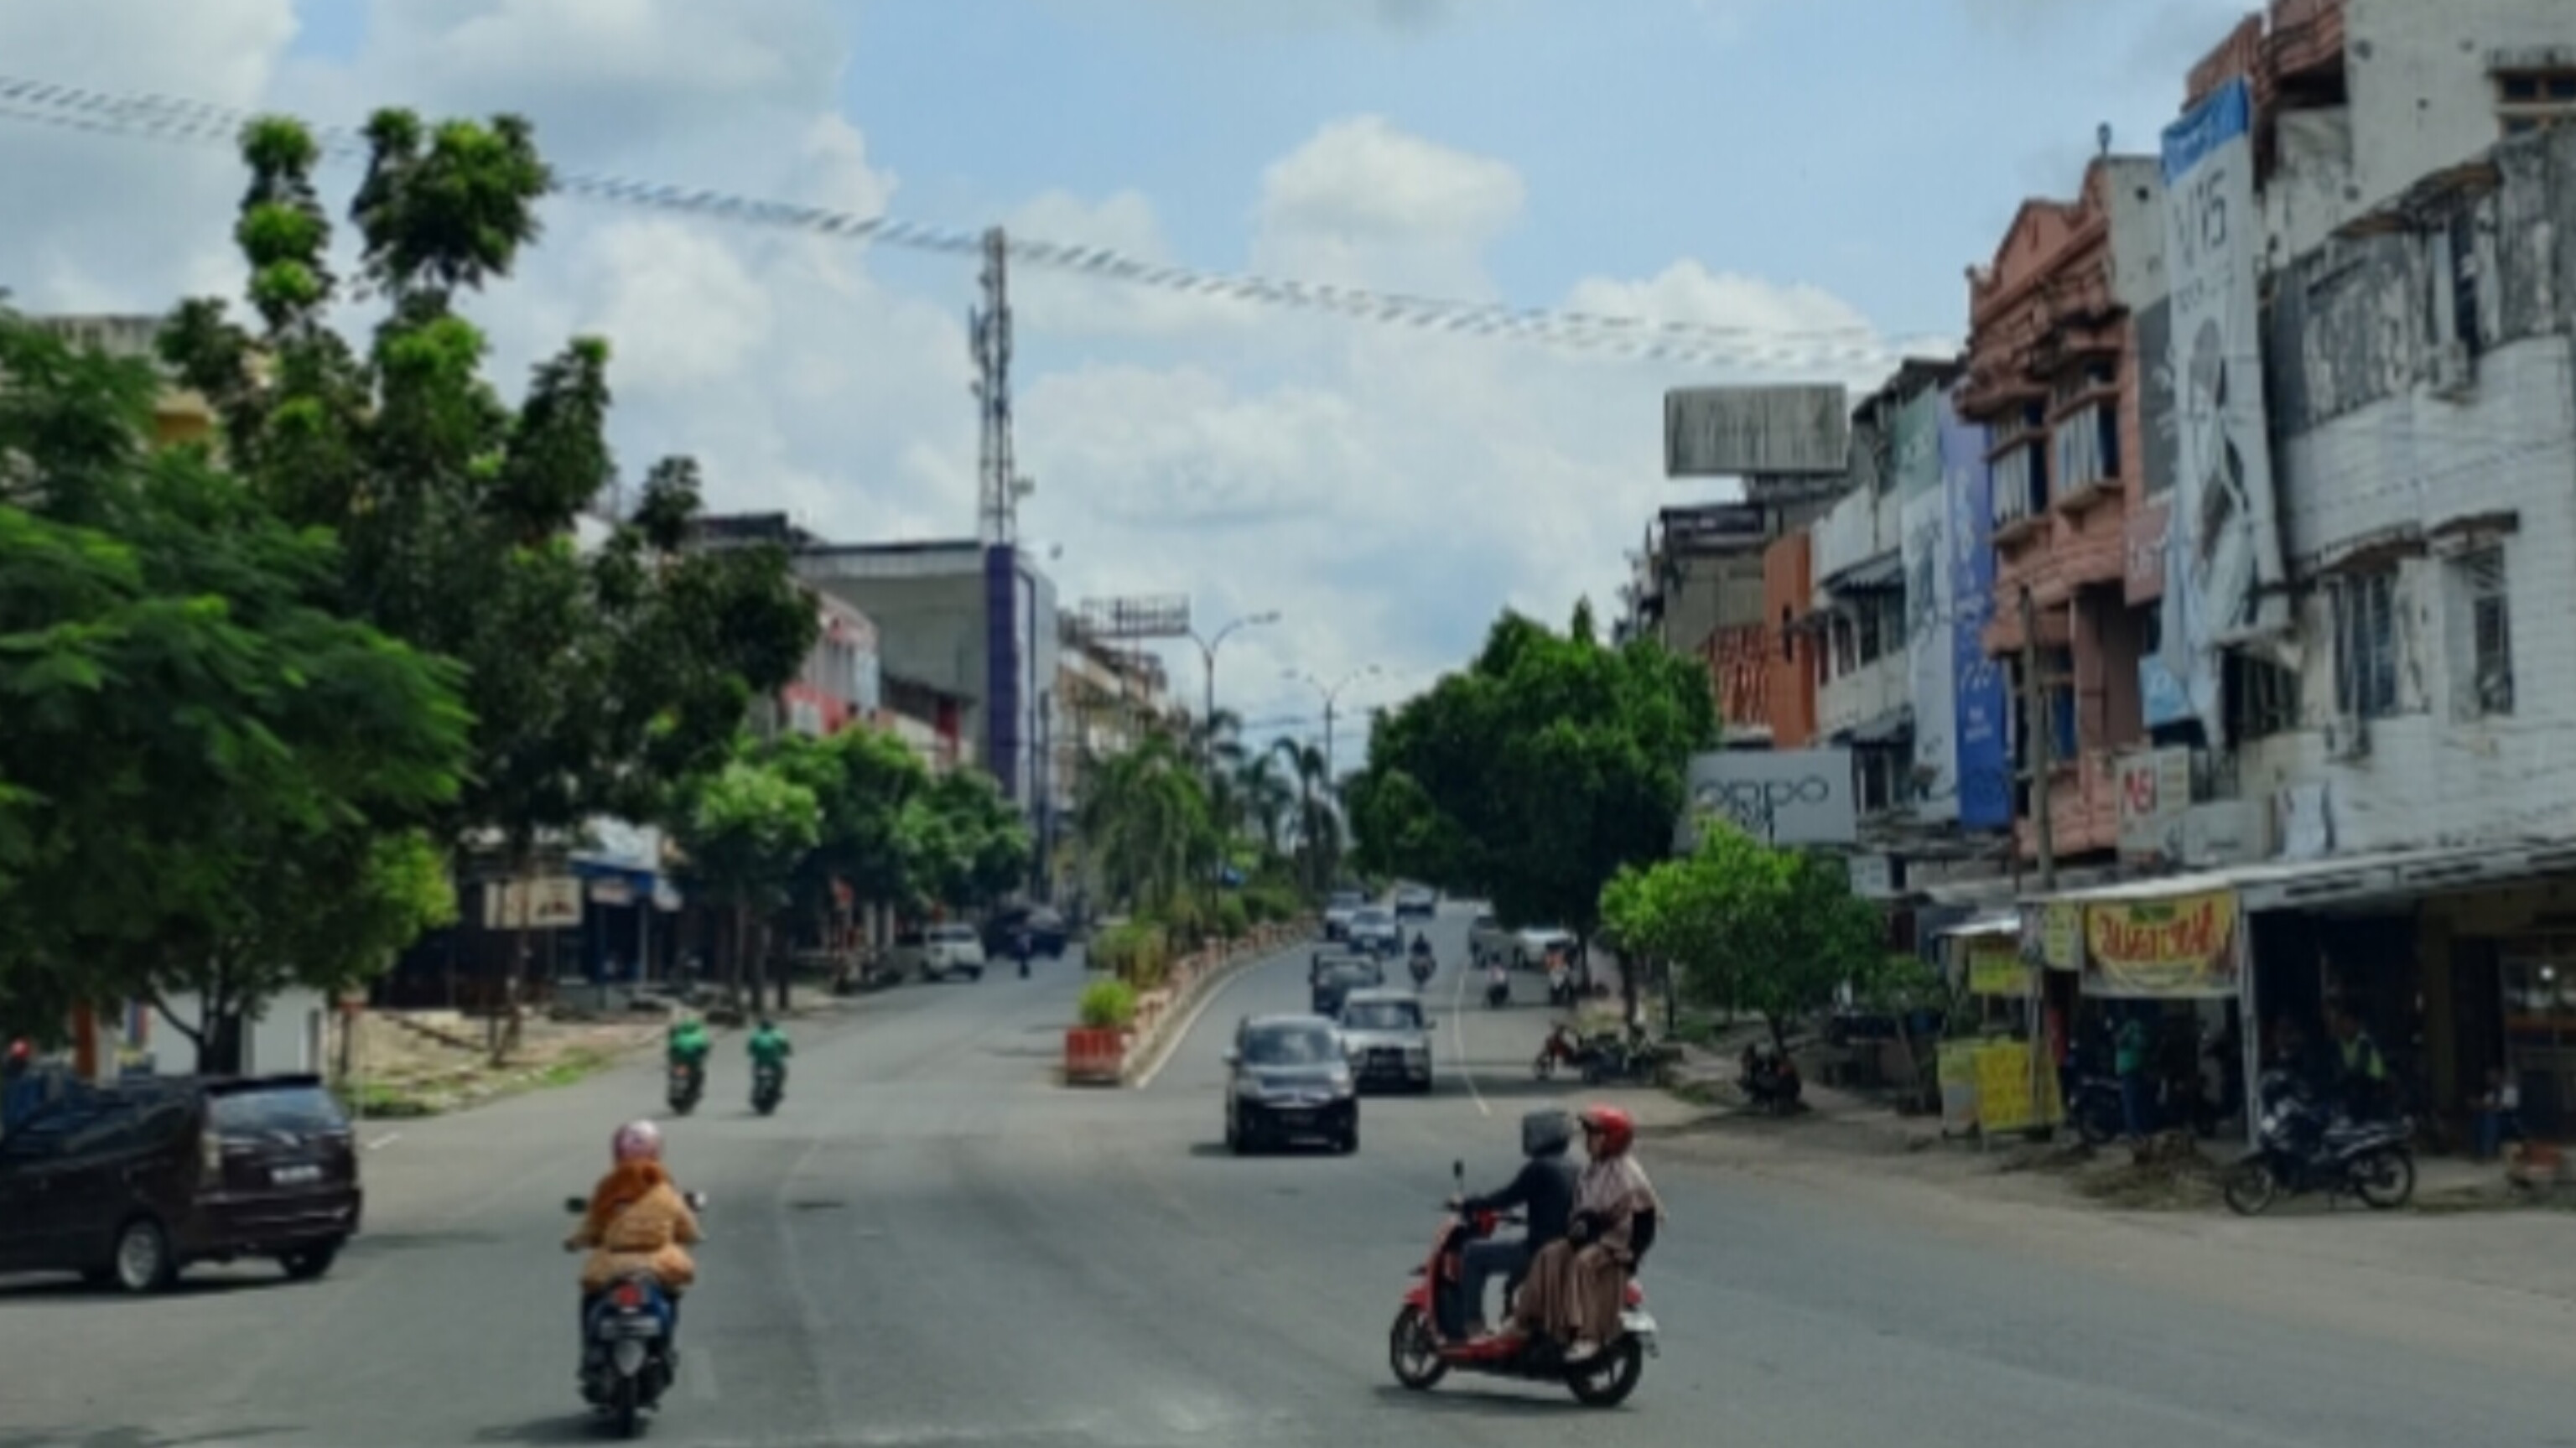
point(1983, 927)
point(1265, 1023)
point(2276, 884)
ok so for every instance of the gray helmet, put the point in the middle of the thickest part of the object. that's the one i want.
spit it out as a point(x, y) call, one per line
point(1547, 1133)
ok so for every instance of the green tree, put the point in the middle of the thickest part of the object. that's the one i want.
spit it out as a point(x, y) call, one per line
point(597, 683)
point(1145, 820)
point(1535, 774)
point(965, 846)
point(211, 782)
point(745, 831)
point(864, 781)
point(1749, 927)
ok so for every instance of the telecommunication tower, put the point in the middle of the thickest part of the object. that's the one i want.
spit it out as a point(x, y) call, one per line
point(989, 337)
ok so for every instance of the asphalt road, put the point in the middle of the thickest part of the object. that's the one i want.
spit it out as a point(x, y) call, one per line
point(933, 1243)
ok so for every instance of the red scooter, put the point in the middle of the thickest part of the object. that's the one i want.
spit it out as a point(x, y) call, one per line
point(1429, 1337)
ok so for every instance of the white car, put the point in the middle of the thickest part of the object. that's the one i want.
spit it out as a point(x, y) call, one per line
point(1338, 912)
point(951, 950)
point(1530, 947)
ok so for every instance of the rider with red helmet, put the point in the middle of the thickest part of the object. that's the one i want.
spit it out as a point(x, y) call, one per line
point(1575, 1285)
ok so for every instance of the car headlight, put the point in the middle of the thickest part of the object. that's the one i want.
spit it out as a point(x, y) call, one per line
point(1248, 1090)
point(1342, 1085)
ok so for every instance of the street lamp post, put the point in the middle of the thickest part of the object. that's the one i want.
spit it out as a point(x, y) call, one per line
point(1207, 654)
point(1332, 696)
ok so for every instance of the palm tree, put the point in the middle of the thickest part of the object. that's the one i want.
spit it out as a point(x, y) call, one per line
point(1319, 828)
point(1267, 799)
point(1145, 818)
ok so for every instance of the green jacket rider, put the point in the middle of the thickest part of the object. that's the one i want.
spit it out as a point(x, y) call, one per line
point(769, 1046)
point(689, 1043)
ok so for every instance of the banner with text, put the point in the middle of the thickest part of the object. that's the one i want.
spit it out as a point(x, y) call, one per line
point(2180, 947)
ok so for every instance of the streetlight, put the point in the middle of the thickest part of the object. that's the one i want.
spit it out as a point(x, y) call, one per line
point(1331, 695)
point(1207, 653)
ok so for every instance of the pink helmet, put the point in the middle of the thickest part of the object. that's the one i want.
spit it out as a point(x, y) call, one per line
point(637, 1141)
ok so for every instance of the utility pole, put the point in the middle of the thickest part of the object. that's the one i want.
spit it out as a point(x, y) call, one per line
point(2043, 743)
point(1207, 656)
point(989, 338)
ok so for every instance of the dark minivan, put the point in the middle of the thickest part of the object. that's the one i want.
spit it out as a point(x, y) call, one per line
point(128, 1184)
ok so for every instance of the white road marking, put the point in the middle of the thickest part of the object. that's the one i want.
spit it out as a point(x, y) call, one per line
point(386, 1140)
point(1458, 1037)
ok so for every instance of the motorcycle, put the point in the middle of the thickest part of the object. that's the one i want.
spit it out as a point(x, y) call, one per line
point(628, 1361)
point(768, 1087)
point(1561, 1048)
point(688, 1082)
point(1498, 988)
point(1429, 1337)
point(1770, 1082)
point(2301, 1149)
point(1423, 966)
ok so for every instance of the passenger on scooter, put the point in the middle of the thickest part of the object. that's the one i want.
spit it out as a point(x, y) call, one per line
point(1421, 943)
point(1544, 1191)
point(769, 1046)
point(1573, 1295)
point(637, 1222)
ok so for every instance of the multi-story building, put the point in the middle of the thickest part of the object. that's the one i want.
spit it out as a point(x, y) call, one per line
point(1697, 590)
point(2054, 377)
point(841, 685)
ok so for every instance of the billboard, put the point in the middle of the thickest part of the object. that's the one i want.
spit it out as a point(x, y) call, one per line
point(1778, 796)
point(1733, 431)
point(1982, 759)
point(1715, 525)
point(1931, 677)
point(2223, 559)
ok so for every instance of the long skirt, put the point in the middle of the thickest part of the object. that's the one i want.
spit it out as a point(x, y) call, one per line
point(1573, 1294)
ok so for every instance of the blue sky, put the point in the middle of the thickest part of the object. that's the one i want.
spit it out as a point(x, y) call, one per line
point(1787, 166)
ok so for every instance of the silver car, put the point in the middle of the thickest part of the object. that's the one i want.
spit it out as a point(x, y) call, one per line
point(1388, 1038)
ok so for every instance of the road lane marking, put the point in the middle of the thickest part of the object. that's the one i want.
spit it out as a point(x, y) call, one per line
point(1458, 1037)
point(1172, 1045)
point(386, 1140)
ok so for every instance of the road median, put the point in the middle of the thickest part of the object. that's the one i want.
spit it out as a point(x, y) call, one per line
point(1116, 1056)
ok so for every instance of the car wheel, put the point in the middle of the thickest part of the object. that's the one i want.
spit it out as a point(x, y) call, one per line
point(1350, 1140)
point(144, 1261)
point(310, 1262)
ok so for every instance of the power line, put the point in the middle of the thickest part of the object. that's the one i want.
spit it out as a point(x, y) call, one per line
point(1800, 349)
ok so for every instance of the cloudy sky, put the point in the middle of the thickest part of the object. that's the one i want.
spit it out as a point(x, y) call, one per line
point(1805, 171)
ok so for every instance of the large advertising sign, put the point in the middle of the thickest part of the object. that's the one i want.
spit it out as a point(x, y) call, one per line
point(1737, 431)
point(2176, 948)
point(1932, 675)
point(1778, 796)
point(2223, 559)
point(1982, 763)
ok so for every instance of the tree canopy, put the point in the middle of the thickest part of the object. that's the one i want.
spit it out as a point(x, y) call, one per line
point(1749, 927)
point(598, 681)
point(1534, 774)
point(212, 780)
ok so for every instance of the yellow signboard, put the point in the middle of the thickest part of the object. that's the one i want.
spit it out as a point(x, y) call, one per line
point(2061, 935)
point(2011, 1096)
point(2180, 947)
point(1995, 967)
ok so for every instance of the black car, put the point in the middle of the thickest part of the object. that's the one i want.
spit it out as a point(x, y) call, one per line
point(128, 1185)
point(1339, 979)
point(1286, 1080)
point(1048, 934)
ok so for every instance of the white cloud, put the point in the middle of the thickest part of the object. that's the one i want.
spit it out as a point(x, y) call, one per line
point(1385, 488)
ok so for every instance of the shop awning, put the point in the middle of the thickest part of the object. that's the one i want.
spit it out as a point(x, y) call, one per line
point(1885, 728)
point(2345, 879)
point(1982, 927)
point(1872, 575)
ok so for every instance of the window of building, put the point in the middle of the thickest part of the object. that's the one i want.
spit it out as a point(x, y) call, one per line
point(2087, 447)
point(1872, 638)
point(2527, 100)
point(2481, 635)
point(1844, 646)
point(2259, 698)
point(2365, 644)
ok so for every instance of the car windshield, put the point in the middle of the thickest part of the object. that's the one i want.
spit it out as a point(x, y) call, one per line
point(1347, 899)
point(1351, 977)
point(299, 1109)
point(1372, 917)
point(1382, 1016)
point(1290, 1046)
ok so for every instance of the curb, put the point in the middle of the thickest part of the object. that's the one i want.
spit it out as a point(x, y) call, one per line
point(1181, 1011)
